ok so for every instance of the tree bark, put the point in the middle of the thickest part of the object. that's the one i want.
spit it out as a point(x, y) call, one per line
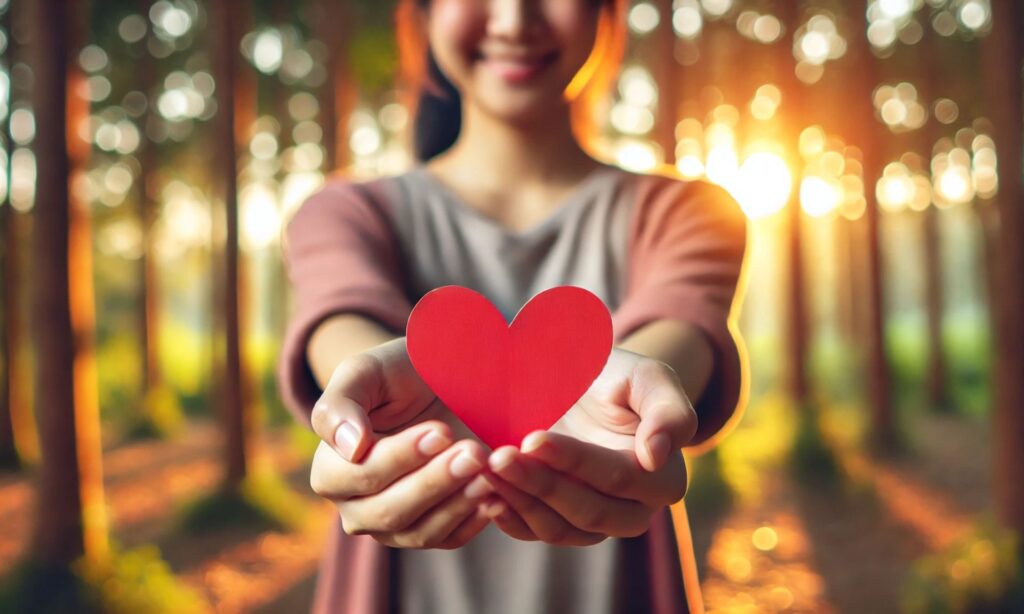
point(149, 323)
point(337, 96)
point(667, 74)
point(224, 17)
point(70, 489)
point(1004, 54)
point(8, 269)
point(883, 432)
point(935, 375)
point(793, 109)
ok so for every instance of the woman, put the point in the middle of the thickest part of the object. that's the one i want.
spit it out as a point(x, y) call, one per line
point(576, 518)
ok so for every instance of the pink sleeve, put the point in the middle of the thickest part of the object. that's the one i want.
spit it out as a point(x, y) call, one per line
point(341, 256)
point(686, 249)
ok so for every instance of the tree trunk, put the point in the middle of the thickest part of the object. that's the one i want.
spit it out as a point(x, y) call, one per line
point(667, 75)
point(147, 282)
point(224, 17)
point(794, 107)
point(70, 489)
point(935, 375)
point(8, 271)
point(1004, 55)
point(883, 433)
point(337, 96)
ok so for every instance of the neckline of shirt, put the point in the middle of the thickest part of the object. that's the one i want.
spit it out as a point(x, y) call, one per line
point(567, 204)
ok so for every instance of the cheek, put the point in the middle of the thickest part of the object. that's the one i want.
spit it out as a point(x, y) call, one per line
point(455, 28)
point(574, 23)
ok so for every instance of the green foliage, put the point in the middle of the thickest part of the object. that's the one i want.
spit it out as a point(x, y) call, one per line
point(302, 440)
point(161, 416)
point(127, 582)
point(138, 580)
point(119, 373)
point(906, 349)
point(185, 363)
point(708, 489)
point(765, 367)
point(967, 349)
point(835, 368)
point(264, 502)
point(968, 345)
point(378, 57)
point(812, 459)
point(980, 573)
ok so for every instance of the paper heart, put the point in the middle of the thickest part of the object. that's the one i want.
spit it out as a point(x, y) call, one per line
point(507, 380)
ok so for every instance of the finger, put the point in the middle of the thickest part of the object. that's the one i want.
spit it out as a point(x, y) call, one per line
point(340, 416)
point(438, 523)
point(402, 503)
point(506, 519)
point(667, 419)
point(547, 524)
point(617, 473)
point(388, 460)
point(582, 506)
point(470, 528)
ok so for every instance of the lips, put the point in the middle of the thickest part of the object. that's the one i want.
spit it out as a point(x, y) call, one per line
point(516, 69)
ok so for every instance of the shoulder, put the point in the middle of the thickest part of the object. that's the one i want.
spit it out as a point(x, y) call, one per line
point(662, 199)
point(359, 204)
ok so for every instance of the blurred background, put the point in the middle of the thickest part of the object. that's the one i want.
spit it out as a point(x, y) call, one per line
point(153, 151)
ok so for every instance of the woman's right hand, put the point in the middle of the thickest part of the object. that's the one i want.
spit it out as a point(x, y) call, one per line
point(389, 458)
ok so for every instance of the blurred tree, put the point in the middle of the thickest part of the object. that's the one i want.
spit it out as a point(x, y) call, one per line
point(794, 117)
point(149, 300)
point(669, 77)
point(9, 345)
point(928, 61)
point(231, 382)
point(1003, 56)
point(338, 96)
point(884, 435)
point(71, 519)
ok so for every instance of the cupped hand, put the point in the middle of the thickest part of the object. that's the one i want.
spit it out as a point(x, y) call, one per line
point(397, 463)
point(606, 467)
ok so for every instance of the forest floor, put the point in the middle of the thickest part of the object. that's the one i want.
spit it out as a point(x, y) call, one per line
point(790, 547)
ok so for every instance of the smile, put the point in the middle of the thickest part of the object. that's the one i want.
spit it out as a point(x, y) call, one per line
point(518, 70)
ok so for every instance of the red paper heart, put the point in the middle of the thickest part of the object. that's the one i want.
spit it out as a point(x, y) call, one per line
point(505, 381)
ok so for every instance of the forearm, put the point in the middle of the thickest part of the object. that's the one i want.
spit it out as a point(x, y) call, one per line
point(339, 337)
point(679, 345)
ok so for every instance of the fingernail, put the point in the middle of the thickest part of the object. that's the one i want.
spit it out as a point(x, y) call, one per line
point(478, 488)
point(533, 442)
point(501, 459)
point(464, 465)
point(347, 439)
point(494, 509)
point(432, 443)
point(657, 448)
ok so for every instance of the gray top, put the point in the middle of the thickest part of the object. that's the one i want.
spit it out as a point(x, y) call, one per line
point(445, 241)
point(651, 247)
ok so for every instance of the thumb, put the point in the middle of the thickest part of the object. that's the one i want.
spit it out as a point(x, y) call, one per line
point(667, 419)
point(341, 417)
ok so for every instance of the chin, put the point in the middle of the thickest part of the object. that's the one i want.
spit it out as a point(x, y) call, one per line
point(520, 116)
point(521, 107)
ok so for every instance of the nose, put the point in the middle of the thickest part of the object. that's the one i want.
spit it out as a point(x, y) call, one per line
point(513, 19)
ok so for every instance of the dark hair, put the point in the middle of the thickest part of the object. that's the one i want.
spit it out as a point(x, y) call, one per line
point(438, 114)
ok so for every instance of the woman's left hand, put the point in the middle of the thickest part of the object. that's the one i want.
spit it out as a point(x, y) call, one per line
point(606, 467)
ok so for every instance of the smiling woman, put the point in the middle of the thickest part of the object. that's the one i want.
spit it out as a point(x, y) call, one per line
point(507, 202)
